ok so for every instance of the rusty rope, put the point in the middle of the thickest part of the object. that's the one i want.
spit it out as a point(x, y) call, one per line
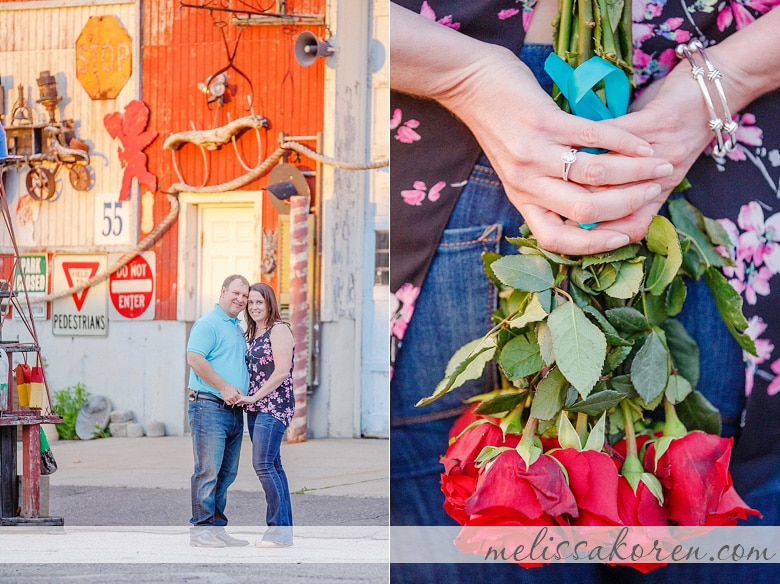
point(145, 244)
point(234, 184)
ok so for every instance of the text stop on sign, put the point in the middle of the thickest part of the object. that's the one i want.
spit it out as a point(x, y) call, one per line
point(131, 288)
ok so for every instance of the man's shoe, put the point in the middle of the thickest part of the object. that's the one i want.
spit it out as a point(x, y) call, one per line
point(201, 536)
point(267, 543)
point(227, 539)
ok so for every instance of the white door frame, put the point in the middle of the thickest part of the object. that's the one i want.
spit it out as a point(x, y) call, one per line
point(189, 231)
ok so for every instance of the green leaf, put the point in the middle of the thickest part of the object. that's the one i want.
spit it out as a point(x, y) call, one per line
point(596, 437)
point(525, 272)
point(690, 223)
point(488, 453)
point(544, 338)
point(488, 258)
point(627, 319)
point(606, 276)
point(533, 312)
point(729, 304)
point(615, 358)
point(580, 347)
point(598, 402)
point(502, 403)
point(662, 240)
point(650, 368)
point(584, 279)
point(662, 444)
point(717, 233)
point(653, 485)
point(521, 357)
point(628, 281)
point(684, 350)
point(512, 423)
point(627, 252)
point(529, 452)
point(675, 296)
point(613, 337)
point(622, 384)
point(655, 309)
point(696, 413)
point(677, 389)
point(466, 363)
point(531, 243)
point(550, 395)
point(567, 435)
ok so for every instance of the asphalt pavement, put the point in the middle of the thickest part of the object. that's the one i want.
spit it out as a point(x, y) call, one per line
point(125, 503)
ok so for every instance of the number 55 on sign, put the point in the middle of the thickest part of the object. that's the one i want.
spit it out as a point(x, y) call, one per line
point(115, 224)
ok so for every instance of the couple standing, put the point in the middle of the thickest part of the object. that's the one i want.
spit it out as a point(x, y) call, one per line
point(231, 369)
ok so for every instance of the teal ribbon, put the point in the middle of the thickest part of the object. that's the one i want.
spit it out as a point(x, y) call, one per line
point(576, 85)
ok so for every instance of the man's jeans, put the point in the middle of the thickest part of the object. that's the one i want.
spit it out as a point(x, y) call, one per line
point(267, 433)
point(217, 431)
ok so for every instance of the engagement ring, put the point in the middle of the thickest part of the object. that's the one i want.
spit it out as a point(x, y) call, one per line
point(568, 158)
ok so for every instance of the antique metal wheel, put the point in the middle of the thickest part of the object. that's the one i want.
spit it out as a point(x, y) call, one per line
point(40, 183)
point(80, 177)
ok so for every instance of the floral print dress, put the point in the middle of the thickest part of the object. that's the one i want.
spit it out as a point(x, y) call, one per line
point(259, 358)
point(433, 153)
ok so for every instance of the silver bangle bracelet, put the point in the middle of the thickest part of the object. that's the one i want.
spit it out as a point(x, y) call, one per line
point(718, 125)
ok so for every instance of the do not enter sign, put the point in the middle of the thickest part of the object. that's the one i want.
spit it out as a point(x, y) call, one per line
point(131, 289)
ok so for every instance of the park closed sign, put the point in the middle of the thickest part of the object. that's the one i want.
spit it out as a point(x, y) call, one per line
point(83, 312)
point(32, 275)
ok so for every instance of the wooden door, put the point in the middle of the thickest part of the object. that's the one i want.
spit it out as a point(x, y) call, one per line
point(226, 248)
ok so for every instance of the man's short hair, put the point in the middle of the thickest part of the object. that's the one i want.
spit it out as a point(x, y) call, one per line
point(229, 279)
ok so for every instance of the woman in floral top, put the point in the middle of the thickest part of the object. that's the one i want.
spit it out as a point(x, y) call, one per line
point(473, 141)
point(270, 405)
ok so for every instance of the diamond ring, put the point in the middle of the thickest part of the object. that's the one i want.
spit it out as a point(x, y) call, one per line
point(568, 158)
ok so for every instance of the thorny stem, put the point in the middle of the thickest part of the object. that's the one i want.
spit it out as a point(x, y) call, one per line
point(529, 429)
point(628, 422)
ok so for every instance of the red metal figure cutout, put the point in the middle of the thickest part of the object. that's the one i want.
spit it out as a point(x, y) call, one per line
point(134, 139)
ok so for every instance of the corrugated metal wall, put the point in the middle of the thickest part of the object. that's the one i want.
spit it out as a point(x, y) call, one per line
point(184, 46)
point(35, 40)
point(174, 48)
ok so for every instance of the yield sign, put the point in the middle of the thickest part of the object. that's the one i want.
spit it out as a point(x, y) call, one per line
point(76, 274)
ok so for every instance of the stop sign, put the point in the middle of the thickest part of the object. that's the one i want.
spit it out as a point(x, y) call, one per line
point(131, 288)
point(104, 57)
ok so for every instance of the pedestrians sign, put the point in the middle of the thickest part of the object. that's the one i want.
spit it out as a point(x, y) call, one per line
point(84, 312)
point(131, 289)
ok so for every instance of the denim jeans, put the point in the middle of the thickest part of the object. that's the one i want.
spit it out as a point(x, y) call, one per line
point(217, 431)
point(267, 433)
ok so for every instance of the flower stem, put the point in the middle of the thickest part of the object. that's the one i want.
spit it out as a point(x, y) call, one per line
point(529, 429)
point(564, 29)
point(628, 422)
point(673, 427)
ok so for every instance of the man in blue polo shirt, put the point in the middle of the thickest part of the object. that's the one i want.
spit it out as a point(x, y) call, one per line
point(218, 378)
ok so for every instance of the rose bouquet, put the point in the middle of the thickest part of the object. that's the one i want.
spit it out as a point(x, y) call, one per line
point(589, 352)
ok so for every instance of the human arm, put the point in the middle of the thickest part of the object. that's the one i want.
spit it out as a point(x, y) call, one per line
point(207, 373)
point(671, 114)
point(523, 132)
point(282, 344)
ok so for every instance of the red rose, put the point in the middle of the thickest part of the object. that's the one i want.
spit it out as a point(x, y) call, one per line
point(459, 479)
point(593, 478)
point(508, 493)
point(694, 473)
point(640, 508)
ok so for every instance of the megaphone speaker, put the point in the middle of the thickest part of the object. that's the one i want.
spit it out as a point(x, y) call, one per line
point(308, 48)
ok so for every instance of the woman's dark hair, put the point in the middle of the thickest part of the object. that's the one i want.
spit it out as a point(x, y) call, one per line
point(272, 309)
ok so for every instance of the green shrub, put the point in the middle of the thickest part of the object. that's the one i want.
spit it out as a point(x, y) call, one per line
point(67, 403)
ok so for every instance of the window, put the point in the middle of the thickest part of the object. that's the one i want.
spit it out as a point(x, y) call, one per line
point(382, 258)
